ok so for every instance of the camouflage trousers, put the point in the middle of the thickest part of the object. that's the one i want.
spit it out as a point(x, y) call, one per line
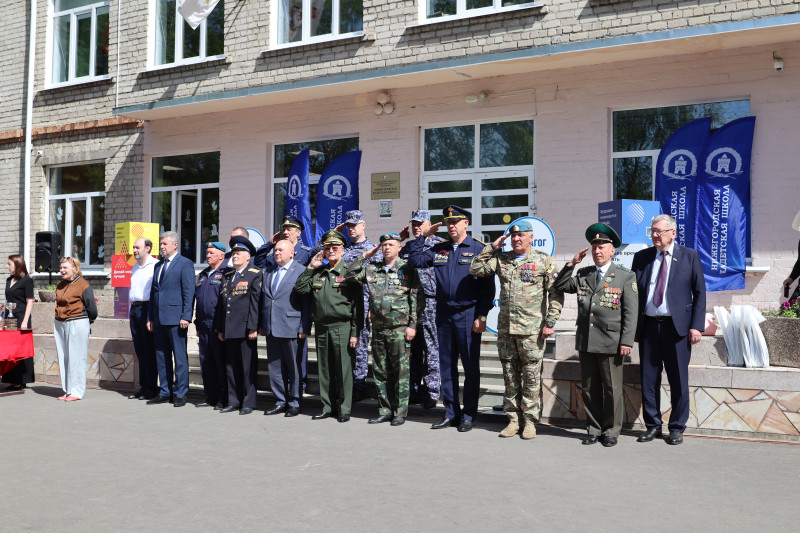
point(390, 369)
point(425, 354)
point(361, 363)
point(521, 356)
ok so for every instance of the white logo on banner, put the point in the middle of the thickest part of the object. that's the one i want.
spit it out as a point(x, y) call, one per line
point(718, 163)
point(680, 165)
point(337, 188)
point(293, 188)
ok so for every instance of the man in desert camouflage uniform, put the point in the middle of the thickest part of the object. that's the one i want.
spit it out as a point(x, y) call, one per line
point(529, 308)
point(395, 302)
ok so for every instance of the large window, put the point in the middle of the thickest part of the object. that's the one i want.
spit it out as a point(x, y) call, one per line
point(484, 168)
point(185, 199)
point(639, 135)
point(176, 42)
point(321, 153)
point(80, 40)
point(77, 210)
point(330, 19)
point(437, 9)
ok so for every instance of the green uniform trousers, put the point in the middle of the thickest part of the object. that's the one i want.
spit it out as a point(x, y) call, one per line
point(335, 367)
point(391, 369)
point(601, 377)
point(521, 356)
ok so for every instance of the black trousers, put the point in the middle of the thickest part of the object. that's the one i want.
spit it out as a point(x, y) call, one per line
point(144, 346)
point(241, 364)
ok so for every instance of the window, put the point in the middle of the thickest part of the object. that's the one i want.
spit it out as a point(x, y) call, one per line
point(484, 168)
point(321, 153)
point(77, 210)
point(177, 42)
point(185, 199)
point(330, 19)
point(444, 9)
point(80, 40)
point(639, 134)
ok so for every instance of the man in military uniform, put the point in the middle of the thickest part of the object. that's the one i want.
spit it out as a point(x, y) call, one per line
point(395, 302)
point(337, 312)
point(236, 321)
point(607, 310)
point(212, 358)
point(425, 384)
point(291, 229)
point(462, 302)
point(529, 308)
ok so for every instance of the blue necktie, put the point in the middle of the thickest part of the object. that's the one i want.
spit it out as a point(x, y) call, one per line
point(276, 280)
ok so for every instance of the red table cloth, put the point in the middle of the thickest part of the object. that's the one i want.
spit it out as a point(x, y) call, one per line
point(14, 347)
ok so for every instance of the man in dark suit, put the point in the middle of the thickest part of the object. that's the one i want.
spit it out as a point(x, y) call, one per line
point(168, 317)
point(286, 322)
point(672, 307)
point(236, 323)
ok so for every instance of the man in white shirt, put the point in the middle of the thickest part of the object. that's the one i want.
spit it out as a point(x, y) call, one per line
point(139, 296)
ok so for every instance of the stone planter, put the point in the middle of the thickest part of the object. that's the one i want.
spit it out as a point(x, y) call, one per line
point(783, 340)
point(47, 295)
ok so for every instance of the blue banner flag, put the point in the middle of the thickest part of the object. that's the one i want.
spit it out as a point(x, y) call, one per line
point(337, 192)
point(676, 176)
point(298, 200)
point(723, 204)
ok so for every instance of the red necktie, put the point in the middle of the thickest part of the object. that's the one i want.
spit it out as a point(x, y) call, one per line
point(661, 282)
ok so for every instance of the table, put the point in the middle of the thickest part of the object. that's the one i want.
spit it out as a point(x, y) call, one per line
point(15, 346)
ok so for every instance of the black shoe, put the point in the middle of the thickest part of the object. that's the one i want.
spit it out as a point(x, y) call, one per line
point(498, 408)
point(398, 421)
point(650, 434)
point(608, 442)
point(219, 406)
point(321, 416)
point(675, 437)
point(380, 419)
point(179, 401)
point(275, 410)
point(589, 439)
point(245, 410)
point(158, 399)
point(228, 409)
point(203, 404)
point(136, 395)
point(292, 411)
point(149, 396)
point(15, 387)
point(429, 403)
point(343, 418)
point(444, 423)
point(464, 426)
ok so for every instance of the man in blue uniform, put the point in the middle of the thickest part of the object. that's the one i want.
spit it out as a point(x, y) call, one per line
point(212, 359)
point(462, 303)
point(291, 229)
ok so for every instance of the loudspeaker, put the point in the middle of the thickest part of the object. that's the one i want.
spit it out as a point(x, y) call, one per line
point(48, 251)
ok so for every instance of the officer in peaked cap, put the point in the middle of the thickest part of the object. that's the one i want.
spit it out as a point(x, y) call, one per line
point(236, 322)
point(291, 230)
point(608, 305)
point(462, 303)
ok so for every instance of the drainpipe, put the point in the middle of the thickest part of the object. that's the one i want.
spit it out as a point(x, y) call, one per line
point(26, 224)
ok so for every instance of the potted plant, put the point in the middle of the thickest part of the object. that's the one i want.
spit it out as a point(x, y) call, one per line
point(48, 294)
point(782, 332)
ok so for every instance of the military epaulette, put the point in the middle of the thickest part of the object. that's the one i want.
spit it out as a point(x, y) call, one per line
point(585, 271)
point(304, 247)
point(479, 241)
point(229, 273)
point(256, 270)
point(623, 267)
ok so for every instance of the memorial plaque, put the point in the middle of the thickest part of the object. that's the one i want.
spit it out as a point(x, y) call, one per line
point(385, 185)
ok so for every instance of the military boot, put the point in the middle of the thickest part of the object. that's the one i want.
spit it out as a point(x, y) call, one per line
point(529, 431)
point(513, 426)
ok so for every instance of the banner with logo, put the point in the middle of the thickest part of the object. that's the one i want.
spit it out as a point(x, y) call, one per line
point(337, 192)
point(298, 200)
point(676, 176)
point(723, 204)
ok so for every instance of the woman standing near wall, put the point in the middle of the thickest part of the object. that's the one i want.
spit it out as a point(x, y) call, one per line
point(75, 311)
point(19, 291)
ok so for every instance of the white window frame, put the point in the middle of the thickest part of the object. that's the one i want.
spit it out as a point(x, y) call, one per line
point(178, 44)
point(476, 174)
point(463, 13)
point(68, 199)
point(73, 43)
point(307, 38)
point(652, 154)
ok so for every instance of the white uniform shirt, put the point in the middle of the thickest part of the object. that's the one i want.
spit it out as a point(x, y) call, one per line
point(663, 310)
point(141, 280)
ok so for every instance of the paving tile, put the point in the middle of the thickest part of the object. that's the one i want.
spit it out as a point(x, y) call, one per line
point(705, 405)
point(720, 395)
point(744, 394)
point(752, 412)
point(776, 422)
point(789, 400)
point(724, 418)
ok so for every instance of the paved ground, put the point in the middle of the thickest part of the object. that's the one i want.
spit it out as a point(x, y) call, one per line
point(112, 464)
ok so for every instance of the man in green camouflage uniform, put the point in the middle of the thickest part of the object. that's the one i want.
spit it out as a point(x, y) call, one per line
point(529, 308)
point(396, 300)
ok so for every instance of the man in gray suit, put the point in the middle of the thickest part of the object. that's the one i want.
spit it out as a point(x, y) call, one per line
point(286, 322)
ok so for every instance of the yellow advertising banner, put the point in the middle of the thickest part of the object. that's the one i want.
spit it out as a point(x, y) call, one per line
point(127, 233)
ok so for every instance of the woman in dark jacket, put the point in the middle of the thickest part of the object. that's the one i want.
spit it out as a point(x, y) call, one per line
point(19, 291)
point(75, 310)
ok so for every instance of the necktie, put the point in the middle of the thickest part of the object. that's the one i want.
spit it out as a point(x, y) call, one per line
point(276, 280)
point(661, 282)
point(598, 277)
point(163, 269)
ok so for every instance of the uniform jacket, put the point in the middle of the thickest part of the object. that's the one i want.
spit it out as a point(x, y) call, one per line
point(456, 288)
point(686, 287)
point(607, 312)
point(527, 297)
point(206, 295)
point(396, 297)
point(426, 275)
point(171, 298)
point(334, 299)
point(286, 312)
point(239, 303)
point(265, 260)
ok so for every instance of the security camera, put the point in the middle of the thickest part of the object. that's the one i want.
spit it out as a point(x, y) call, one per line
point(778, 64)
